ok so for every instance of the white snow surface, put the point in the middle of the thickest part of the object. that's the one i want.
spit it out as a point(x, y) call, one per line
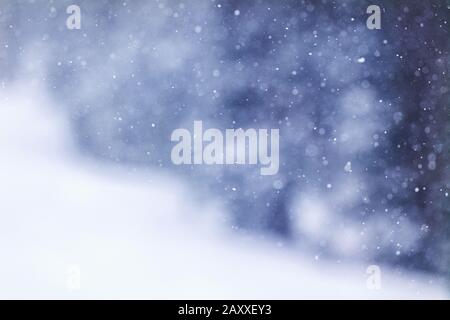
point(138, 234)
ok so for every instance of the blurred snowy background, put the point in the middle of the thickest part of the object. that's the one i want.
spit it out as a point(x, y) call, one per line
point(91, 205)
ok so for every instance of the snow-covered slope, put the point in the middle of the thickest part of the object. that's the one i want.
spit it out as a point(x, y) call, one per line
point(74, 228)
